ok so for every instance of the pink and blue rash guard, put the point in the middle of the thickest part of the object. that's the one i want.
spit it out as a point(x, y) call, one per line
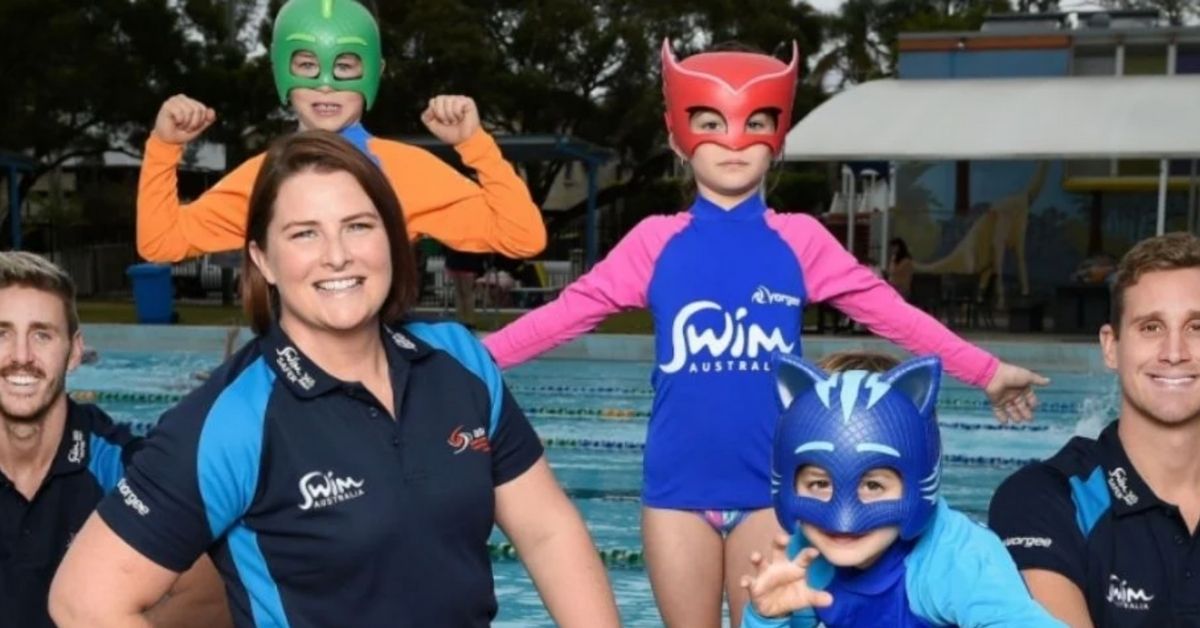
point(726, 288)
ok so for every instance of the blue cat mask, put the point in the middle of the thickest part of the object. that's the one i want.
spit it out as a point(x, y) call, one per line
point(848, 423)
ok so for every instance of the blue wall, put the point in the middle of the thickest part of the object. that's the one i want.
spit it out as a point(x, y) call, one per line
point(984, 64)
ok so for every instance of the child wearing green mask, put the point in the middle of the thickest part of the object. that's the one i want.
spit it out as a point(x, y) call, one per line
point(327, 60)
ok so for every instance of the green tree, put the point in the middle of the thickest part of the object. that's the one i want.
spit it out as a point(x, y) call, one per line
point(86, 78)
point(1177, 12)
point(864, 35)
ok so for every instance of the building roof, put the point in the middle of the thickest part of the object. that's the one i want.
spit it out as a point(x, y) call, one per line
point(1009, 118)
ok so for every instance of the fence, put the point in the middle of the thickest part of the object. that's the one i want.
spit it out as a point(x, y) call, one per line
point(439, 287)
point(97, 269)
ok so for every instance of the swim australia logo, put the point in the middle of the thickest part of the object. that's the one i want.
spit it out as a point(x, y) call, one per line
point(1119, 483)
point(1123, 596)
point(321, 490)
point(736, 346)
point(403, 342)
point(288, 360)
point(1028, 542)
point(131, 499)
point(78, 448)
point(764, 296)
point(462, 439)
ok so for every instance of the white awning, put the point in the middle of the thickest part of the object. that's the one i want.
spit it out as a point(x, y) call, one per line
point(1010, 118)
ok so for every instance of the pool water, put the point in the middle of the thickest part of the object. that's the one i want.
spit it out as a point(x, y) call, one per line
point(592, 416)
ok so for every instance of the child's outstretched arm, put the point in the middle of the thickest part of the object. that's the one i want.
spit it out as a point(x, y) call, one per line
point(832, 274)
point(619, 282)
point(780, 588)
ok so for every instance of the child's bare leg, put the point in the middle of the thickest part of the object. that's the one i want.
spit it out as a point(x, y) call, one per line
point(753, 534)
point(684, 560)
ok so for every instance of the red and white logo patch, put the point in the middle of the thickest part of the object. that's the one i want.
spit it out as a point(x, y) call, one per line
point(462, 439)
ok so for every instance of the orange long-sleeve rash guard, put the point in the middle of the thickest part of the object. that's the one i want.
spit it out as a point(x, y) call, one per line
point(496, 215)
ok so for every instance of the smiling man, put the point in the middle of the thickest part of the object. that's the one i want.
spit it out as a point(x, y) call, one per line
point(1105, 531)
point(58, 458)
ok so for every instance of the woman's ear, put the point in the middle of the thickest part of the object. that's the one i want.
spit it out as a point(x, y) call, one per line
point(259, 258)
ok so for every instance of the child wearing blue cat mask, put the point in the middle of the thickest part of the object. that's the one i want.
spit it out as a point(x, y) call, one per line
point(856, 468)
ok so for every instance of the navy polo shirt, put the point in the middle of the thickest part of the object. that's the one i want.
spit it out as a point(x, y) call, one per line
point(317, 508)
point(34, 535)
point(1088, 515)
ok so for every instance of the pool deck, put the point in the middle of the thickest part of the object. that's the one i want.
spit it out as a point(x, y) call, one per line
point(1075, 353)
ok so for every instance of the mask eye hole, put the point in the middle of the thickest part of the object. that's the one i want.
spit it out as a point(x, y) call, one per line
point(347, 67)
point(305, 64)
point(706, 121)
point(763, 122)
point(814, 482)
point(881, 484)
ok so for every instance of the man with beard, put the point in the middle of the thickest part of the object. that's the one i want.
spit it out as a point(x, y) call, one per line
point(57, 457)
point(1104, 532)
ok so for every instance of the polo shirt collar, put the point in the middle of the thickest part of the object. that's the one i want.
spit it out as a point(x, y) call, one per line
point(74, 448)
point(1130, 493)
point(403, 344)
point(306, 380)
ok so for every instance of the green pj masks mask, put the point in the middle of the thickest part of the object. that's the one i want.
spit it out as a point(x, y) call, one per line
point(326, 28)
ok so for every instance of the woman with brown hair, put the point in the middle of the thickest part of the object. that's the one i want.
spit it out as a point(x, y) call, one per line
point(346, 467)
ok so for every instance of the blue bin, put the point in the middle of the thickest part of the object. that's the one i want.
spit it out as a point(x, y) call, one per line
point(153, 293)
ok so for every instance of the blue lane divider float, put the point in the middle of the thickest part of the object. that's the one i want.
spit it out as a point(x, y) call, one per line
point(945, 403)
point(535, 412)
point(599, 391)
point(593, 444)
point(1052, 407)
point(628, 414)
point(141, 428)
point(611, 557)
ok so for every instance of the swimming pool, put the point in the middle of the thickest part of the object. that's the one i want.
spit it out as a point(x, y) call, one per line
point(592, 416)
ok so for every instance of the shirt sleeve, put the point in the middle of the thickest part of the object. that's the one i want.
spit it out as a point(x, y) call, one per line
point(751, 619)
point(619, 282)
point(496, 215)
point(966, 578)
point(109, 448)
point(515, 445)
point(192, 481)
point(170, 231)
point(832, 274)
point(1033, 513)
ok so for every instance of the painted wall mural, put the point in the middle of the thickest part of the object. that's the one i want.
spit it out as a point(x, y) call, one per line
point(1021, 228)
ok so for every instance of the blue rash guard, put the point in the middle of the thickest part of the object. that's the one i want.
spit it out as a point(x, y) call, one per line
point(957, 573)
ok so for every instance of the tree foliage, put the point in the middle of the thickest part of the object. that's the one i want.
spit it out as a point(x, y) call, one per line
point(85, 78)
point(1176, 12)
point(863, 36)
